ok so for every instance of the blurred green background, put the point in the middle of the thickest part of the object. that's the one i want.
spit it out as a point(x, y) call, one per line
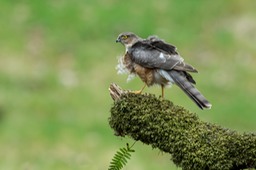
point(58, 57)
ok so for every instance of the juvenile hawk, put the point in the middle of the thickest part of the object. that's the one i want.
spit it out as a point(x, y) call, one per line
point(157, 62)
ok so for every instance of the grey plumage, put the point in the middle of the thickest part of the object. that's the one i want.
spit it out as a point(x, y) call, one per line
point(183, 82)
point(155, 53)
point(167, 66)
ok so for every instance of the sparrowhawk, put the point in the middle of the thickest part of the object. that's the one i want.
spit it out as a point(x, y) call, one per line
point(157, 62)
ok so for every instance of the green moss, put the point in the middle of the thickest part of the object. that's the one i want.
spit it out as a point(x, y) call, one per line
point(192, 143)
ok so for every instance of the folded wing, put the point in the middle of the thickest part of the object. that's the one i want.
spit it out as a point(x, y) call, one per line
point(155, 53)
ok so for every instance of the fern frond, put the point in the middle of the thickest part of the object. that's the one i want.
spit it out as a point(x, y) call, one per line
point(120, 158)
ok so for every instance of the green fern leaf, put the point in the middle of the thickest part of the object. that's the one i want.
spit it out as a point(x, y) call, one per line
point(120, 158)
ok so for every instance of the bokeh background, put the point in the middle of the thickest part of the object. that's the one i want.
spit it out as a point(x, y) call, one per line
point(58, 57)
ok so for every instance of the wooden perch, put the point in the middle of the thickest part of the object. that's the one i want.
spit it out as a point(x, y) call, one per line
point(192, 143)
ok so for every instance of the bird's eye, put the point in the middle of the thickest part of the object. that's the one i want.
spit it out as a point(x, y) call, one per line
point(124, 37)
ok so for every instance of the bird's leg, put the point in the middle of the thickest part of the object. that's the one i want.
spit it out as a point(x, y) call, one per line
point(162, 87)
point(139, 91)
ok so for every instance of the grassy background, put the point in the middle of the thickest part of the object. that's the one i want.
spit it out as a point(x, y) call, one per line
point(57, 59)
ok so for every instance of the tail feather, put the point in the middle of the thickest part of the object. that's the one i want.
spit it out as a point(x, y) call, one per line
point(180, 79)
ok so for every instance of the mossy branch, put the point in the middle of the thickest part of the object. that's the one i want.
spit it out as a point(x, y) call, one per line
point(192, 143)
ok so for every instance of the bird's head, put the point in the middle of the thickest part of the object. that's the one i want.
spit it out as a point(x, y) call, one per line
point(127, 39)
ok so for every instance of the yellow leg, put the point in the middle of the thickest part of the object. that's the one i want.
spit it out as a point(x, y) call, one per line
point(140, 91)
point(162, 87)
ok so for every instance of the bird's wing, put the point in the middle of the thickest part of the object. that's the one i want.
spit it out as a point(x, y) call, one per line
point(172, 50)
point(161, 45)
point(155, 53)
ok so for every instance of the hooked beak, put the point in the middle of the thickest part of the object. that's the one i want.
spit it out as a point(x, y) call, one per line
point(118, 40)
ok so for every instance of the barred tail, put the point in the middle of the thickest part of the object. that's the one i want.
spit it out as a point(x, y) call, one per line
point(181, 80)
